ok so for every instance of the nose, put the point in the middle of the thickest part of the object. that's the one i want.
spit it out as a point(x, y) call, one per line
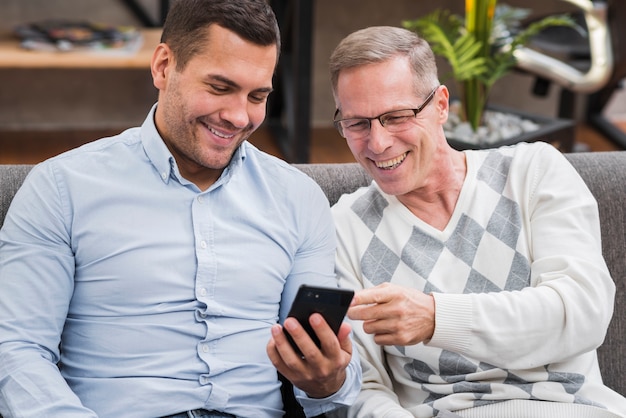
point(379, 139)
point(235, 112)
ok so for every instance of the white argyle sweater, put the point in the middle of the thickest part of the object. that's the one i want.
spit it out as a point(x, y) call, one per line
point(522, 294)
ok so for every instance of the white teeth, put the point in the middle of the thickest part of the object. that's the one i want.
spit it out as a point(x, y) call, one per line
point(391, 164)
point(221, 135)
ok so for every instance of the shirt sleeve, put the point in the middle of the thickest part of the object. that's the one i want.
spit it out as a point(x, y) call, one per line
point(37, 265)
point(314, 264)
point(345, 396)
point(570, 301)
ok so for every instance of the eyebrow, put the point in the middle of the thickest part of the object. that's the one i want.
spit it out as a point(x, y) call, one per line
point(231, 83)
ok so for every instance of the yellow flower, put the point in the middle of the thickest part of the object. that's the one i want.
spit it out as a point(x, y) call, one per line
point(470, 14)
point(491, 11)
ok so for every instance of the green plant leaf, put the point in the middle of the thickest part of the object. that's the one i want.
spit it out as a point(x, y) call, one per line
point(523, 37)
point(477, 65)
point(442, 31)
point(497, 67)
point(464, 59)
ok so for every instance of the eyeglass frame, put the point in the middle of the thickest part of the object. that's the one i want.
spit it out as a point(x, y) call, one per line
point(416, 111)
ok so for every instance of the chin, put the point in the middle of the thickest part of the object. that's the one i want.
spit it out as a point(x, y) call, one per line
point(393, 191)
point(391, 187)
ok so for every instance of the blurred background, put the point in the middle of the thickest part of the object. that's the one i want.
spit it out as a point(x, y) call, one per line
point(40, 107)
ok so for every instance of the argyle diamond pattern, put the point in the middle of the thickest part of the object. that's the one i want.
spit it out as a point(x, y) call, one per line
point(470, 251)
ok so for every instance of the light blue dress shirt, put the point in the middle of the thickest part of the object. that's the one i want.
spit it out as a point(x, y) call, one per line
point(161, 296)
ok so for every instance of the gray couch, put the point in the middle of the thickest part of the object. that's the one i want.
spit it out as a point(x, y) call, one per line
point(604, 173)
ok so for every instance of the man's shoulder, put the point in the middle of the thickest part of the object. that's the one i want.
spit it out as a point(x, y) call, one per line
point(528, 150)
point(520, 157)
point(347, 200)
point(276, 168)
point(97, 150)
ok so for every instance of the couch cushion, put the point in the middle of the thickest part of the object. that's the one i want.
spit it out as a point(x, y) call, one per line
point(11, 178)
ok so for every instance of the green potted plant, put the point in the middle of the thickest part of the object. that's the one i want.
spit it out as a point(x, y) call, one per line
point(479, 47)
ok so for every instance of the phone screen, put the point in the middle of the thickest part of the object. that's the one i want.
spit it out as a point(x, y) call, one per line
point(331, 302)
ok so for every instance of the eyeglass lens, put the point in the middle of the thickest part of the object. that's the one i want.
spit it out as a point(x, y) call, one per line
point(393, 121)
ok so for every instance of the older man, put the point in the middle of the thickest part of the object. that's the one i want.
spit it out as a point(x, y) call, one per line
point(482, 290)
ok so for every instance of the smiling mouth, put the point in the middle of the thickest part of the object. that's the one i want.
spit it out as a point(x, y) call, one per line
point(391, 164)
point(218, 133)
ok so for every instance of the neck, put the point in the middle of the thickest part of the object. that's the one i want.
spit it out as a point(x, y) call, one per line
point(435, 201)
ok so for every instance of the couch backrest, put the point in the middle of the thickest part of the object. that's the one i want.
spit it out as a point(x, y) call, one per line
point(604, 173)
point(11, 178)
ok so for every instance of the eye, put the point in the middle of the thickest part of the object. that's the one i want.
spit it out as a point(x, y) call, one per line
point(258, 98)
point(219, 89)
point(397, 118)
point(393, 120)
point(356, 124)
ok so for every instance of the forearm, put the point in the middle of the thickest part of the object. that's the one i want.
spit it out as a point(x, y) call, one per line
point(518, 330)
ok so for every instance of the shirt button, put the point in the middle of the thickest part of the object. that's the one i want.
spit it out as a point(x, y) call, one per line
point(205, 348)
point(200, 199)
point(203, 292)
point(163, 175)
point(203, 244)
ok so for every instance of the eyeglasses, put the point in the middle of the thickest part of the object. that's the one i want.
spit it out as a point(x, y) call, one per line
point(394, 121)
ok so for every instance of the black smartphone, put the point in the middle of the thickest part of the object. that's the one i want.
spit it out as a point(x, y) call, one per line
point(331, 302)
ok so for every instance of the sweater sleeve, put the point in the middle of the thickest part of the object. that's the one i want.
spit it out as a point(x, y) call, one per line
point(567, 308)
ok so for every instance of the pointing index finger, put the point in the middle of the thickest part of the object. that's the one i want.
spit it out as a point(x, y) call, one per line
point(373, 295)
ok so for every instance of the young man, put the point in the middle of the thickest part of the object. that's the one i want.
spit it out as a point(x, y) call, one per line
point(480, 281)
point(153, 266)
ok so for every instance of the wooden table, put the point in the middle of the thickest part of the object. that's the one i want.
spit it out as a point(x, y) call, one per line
point(13, 56)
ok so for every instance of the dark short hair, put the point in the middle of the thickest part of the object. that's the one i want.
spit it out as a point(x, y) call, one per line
point(187, 21)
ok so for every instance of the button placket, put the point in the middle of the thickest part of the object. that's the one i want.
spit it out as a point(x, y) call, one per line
point(206, 265)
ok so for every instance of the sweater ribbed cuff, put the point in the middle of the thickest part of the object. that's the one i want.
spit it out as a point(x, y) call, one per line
point(453, 319)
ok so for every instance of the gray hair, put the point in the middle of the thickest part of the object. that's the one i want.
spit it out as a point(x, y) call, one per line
point(380, 43)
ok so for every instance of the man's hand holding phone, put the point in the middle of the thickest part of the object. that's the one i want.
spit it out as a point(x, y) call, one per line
point(316, 362)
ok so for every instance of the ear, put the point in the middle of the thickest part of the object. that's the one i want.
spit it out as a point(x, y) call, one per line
point(162, 62)
point(443, 103)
